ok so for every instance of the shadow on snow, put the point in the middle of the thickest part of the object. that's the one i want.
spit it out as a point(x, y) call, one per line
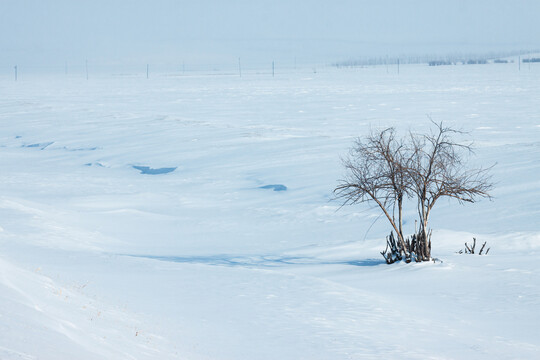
point(259, 261)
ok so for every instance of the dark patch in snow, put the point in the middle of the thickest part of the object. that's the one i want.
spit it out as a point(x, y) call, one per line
point(81, 149)
point(259, 261)
point(41, 146)
point(275, 187)
point(18, 137)
point(149, 171)
point(94, 164)
point(365, 262)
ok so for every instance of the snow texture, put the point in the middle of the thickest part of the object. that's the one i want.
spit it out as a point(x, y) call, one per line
point(98, 261)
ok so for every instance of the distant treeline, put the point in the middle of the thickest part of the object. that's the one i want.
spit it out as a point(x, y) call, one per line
point(436, 60)
point(464, 62)
point(467, 62)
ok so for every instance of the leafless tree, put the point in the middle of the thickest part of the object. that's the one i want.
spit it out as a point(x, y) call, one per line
point(437, 169)
point(385, 170)
point(376, 173)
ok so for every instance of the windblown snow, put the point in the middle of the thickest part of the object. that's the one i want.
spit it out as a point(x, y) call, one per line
point(191, 217)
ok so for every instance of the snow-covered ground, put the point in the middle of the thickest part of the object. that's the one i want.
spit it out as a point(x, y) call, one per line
point(134, 223)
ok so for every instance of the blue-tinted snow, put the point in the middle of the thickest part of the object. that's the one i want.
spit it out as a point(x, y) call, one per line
point(41, 146)
point(150, 171)
point(275, 187)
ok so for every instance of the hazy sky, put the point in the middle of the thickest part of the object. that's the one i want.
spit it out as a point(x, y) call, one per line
point(54, 31)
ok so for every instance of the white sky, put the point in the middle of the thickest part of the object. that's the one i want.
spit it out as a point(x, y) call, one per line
point(54, 31)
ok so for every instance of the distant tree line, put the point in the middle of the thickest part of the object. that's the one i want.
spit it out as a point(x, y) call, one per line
point(434, 60)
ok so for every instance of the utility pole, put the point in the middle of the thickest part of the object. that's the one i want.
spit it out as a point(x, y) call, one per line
point(86, 66)
point(398, 66)
point(15, 67)
point(147, 69)
point(239, 68)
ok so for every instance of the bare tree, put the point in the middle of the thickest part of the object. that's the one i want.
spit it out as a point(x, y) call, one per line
point(376, 173)
point(437, 169)
point(385, 170)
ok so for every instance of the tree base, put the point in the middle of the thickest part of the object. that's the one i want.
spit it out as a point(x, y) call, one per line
point(417, 248)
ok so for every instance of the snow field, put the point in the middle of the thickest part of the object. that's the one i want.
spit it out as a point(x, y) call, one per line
point(202, 263)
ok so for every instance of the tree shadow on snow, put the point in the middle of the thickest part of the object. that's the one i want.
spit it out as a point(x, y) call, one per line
point(259, 261)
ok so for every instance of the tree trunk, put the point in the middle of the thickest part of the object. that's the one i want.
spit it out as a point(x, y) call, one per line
point(400, 210)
